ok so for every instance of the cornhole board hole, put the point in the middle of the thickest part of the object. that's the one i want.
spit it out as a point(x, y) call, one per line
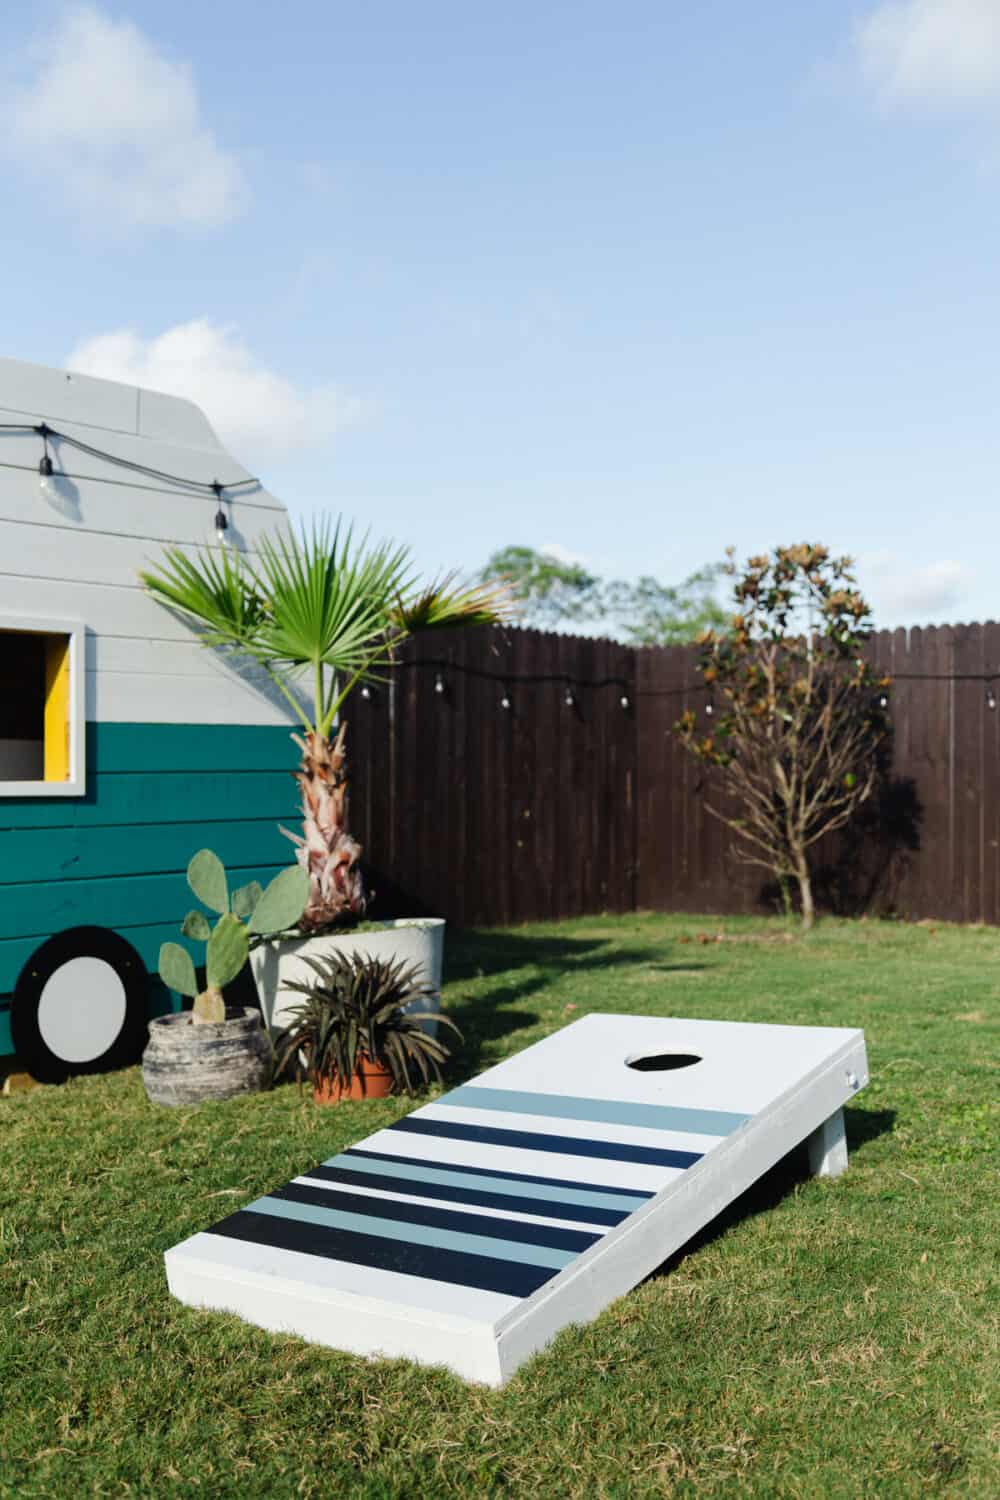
point(471, 1231)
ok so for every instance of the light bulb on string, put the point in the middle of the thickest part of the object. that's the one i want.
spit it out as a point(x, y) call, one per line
point(439, 685)
point(505, 702)
point(625, 701)
point(569, 698)
point(46, 481)
point(220, 522)
point(366, 693)
point(991, 697)
point(710, 708)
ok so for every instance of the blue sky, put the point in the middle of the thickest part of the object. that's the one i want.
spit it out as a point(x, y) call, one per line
point(635, 281)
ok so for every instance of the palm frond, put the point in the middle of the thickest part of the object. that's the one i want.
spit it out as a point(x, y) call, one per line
point(215, 591)
point(444, 603)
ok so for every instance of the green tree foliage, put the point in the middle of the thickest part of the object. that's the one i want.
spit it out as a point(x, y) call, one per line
point(550, 592)
point(651, 613)
point(797, 713)
point(547, 591)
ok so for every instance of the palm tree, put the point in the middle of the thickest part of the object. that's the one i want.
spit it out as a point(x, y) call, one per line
point(318, 608)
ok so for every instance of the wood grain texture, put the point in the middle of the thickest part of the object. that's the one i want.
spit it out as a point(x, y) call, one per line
point(487, 816)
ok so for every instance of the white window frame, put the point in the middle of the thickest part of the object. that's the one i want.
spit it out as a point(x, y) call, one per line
point(75, 784)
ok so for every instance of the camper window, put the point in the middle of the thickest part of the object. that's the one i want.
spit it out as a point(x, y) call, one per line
point(40, 711)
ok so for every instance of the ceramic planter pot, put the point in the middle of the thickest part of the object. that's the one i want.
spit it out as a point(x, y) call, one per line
point(370, 1081)
point(187, 1064)
point(410, 940)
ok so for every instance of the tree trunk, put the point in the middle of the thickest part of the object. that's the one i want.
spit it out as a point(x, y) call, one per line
point(805, 893)
point(325, 849)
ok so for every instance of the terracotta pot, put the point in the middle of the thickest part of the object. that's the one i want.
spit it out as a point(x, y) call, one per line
point(370, 1081)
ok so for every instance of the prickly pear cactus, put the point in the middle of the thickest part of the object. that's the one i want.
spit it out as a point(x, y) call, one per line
point(268, 911)
point(282, 904)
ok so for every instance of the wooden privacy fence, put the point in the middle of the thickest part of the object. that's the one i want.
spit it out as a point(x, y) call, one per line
point(507, 775)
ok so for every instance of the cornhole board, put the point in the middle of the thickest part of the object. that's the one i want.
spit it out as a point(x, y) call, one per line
point(471, 1231)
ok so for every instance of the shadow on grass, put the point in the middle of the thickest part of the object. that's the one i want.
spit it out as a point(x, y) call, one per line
point(863, 1125)
point(476, 954)
point(484, 1019)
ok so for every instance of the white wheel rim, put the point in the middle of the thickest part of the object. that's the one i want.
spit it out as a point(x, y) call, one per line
point(81, 1010)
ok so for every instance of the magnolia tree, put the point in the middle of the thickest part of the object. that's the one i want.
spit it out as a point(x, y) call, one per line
point(797, 713)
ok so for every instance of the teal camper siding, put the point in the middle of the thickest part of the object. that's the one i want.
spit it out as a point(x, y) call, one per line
point(116, 857)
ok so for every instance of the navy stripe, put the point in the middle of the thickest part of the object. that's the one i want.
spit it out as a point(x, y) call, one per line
point(512, 1278)
point(565, 1145)
point(638, 1194)
point(503, 1201)
point(438, 1218)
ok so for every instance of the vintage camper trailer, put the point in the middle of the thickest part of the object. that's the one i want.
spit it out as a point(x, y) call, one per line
point(124, 744)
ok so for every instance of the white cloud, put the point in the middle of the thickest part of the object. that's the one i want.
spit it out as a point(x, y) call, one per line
point(114, 127)
point(929, 51)
point(564, 555)
point(912, 595)
point(252, 408)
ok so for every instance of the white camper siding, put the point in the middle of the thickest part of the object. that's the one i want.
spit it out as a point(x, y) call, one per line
point(83, 560)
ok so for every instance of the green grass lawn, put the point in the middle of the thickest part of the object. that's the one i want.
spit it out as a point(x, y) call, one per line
point(825, 1338)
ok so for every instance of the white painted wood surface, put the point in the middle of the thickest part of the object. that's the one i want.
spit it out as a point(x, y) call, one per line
point(828, 1147)
point(574, 1112)
point(82, 558)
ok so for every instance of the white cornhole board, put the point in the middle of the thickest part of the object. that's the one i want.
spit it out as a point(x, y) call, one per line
point(474, 1229)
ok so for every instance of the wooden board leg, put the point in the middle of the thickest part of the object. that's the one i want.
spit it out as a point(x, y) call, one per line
point(828, 1147)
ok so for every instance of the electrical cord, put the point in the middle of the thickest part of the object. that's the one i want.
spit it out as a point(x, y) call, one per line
point(45, 432)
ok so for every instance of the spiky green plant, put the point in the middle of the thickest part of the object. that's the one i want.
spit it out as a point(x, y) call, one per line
point(353, 1010)
point(268, 912)
point(318, 610)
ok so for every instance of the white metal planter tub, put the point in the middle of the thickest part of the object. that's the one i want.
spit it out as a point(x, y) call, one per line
point(416, 941)
point(472, 1230)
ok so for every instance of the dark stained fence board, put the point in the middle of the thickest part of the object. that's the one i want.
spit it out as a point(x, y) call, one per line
point(489, 816)
point(991, 778)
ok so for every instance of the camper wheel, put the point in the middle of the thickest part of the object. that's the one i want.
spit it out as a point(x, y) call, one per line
point(79, 1005)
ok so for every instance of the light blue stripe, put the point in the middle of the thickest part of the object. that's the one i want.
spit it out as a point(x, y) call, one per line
point(598, 1111)
point(414, 1234)
point(484, 1184)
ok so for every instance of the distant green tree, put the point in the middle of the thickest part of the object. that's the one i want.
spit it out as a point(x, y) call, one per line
point(660, 614)
point(549, 593)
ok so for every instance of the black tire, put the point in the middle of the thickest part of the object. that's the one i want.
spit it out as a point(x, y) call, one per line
point(124, 1048)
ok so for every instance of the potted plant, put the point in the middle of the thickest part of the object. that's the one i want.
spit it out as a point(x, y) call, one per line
point(316, 607)
point(356, 1035)
point(216, 1050)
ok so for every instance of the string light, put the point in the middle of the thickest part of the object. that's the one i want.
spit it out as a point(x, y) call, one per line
point(710, 707)
point(221, 524)
point(45, 469)
point(625, 701)
point(366, 693)
point(439, 685)
point(569, 698)
point(991, 699)
point(505, 703)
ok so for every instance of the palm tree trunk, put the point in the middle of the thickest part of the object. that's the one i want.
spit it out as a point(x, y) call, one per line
point(325, 849)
